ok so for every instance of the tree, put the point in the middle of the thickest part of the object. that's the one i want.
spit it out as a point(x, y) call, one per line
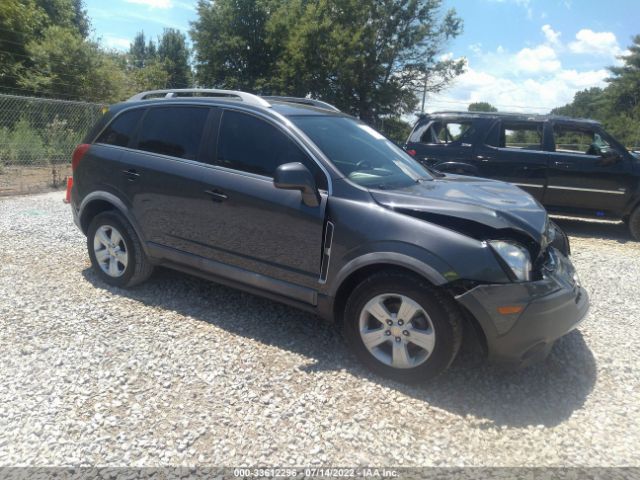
point(152, 76)
point(165, 66)
point(618, 105)
point(369, 57)
point(138, 50)
point(589, 103)
point(232, 45)
point(173, 54)
point(24, 22)
point(64, 65)
point(19, 21)
point(482, 107)
point(395, 128)
point(624, 84)
point(624, 94)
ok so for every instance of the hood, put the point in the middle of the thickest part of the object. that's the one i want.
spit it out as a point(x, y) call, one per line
point(490, 203)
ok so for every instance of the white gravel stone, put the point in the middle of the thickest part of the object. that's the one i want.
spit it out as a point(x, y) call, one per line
point(180, 371)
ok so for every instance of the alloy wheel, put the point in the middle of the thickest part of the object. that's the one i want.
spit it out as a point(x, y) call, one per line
point(110, 251)
point(397, 331)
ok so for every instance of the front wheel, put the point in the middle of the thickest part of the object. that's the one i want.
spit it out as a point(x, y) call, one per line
point(401, 327)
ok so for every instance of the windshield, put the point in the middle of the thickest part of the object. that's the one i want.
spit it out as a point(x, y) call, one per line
point(360, 153)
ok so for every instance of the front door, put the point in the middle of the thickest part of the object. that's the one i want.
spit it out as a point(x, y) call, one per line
point(586, 173)
point(513, 152)
point(258, 227)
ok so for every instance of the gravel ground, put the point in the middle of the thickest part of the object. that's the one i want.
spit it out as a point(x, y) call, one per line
point(180, 371)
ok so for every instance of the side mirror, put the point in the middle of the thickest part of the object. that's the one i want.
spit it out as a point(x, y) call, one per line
point(609, 156)
point(295, 176)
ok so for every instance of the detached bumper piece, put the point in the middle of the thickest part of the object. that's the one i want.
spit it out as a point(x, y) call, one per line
point(539, 312)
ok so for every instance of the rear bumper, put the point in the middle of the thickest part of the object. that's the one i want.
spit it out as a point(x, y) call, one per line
point(552, 307)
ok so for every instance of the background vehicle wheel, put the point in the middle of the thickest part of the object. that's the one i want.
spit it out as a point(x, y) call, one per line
point(115, 251)
point(401, 327)
point(634, 224)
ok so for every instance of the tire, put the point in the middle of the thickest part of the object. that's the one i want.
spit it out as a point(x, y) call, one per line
point(634, 224)
point(131, 264)
point(436, 321)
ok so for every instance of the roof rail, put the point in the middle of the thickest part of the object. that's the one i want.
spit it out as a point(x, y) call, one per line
point(304, 101)
point(248, 98)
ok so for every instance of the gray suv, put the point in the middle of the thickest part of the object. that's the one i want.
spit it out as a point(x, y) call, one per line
point(291, 199)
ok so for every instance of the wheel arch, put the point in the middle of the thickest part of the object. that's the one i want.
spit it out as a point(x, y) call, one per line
point(362, 267)
point(472, 329)
point(99, 202)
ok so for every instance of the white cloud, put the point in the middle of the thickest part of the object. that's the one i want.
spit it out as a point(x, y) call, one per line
point(595, 43)
point(533, 79)
point(551, 35)
point(164, 4)
point(534, 95)
point(541, 59)
point(117, 42)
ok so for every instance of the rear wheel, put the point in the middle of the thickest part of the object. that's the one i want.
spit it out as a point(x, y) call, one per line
point(634, 224)
point(401, 327)
point(115, 251)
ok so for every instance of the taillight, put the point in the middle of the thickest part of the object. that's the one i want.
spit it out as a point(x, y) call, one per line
point(78, 153)
point(412, 152)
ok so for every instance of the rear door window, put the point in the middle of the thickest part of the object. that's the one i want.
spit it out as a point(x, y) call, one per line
point(521, 135)
point(173, 131)
point(252, 145)
point(121, 130)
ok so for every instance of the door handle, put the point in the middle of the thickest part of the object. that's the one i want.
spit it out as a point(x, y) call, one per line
point(482, 158)
point(216, 195)
point(563, 164)
point(131, 174)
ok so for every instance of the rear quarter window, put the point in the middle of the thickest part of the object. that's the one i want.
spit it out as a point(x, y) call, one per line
point(120, 131)
point(447, 131)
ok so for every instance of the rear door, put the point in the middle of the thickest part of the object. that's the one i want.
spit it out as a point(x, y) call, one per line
point(107, 162)
point(584, 174)
point(165, 175)
point(513, 152)
point(443, 144)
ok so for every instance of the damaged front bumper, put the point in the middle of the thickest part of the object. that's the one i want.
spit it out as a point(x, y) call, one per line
point(547, 309)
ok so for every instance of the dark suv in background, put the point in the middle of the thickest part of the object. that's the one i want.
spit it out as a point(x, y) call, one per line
point(572, 167)
point(295, 201)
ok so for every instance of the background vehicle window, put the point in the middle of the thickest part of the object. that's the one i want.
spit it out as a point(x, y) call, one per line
point(525, 136)
point(120, 130)
point(446, 132)
point(573, 140)
point(252, 145)
point(174, 131)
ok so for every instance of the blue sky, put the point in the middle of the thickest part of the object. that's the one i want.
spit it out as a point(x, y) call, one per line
point(526, 55)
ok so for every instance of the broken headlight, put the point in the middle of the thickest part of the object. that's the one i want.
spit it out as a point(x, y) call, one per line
point(516, 258)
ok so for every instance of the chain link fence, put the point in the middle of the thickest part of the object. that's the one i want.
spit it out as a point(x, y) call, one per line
point(37, 139)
